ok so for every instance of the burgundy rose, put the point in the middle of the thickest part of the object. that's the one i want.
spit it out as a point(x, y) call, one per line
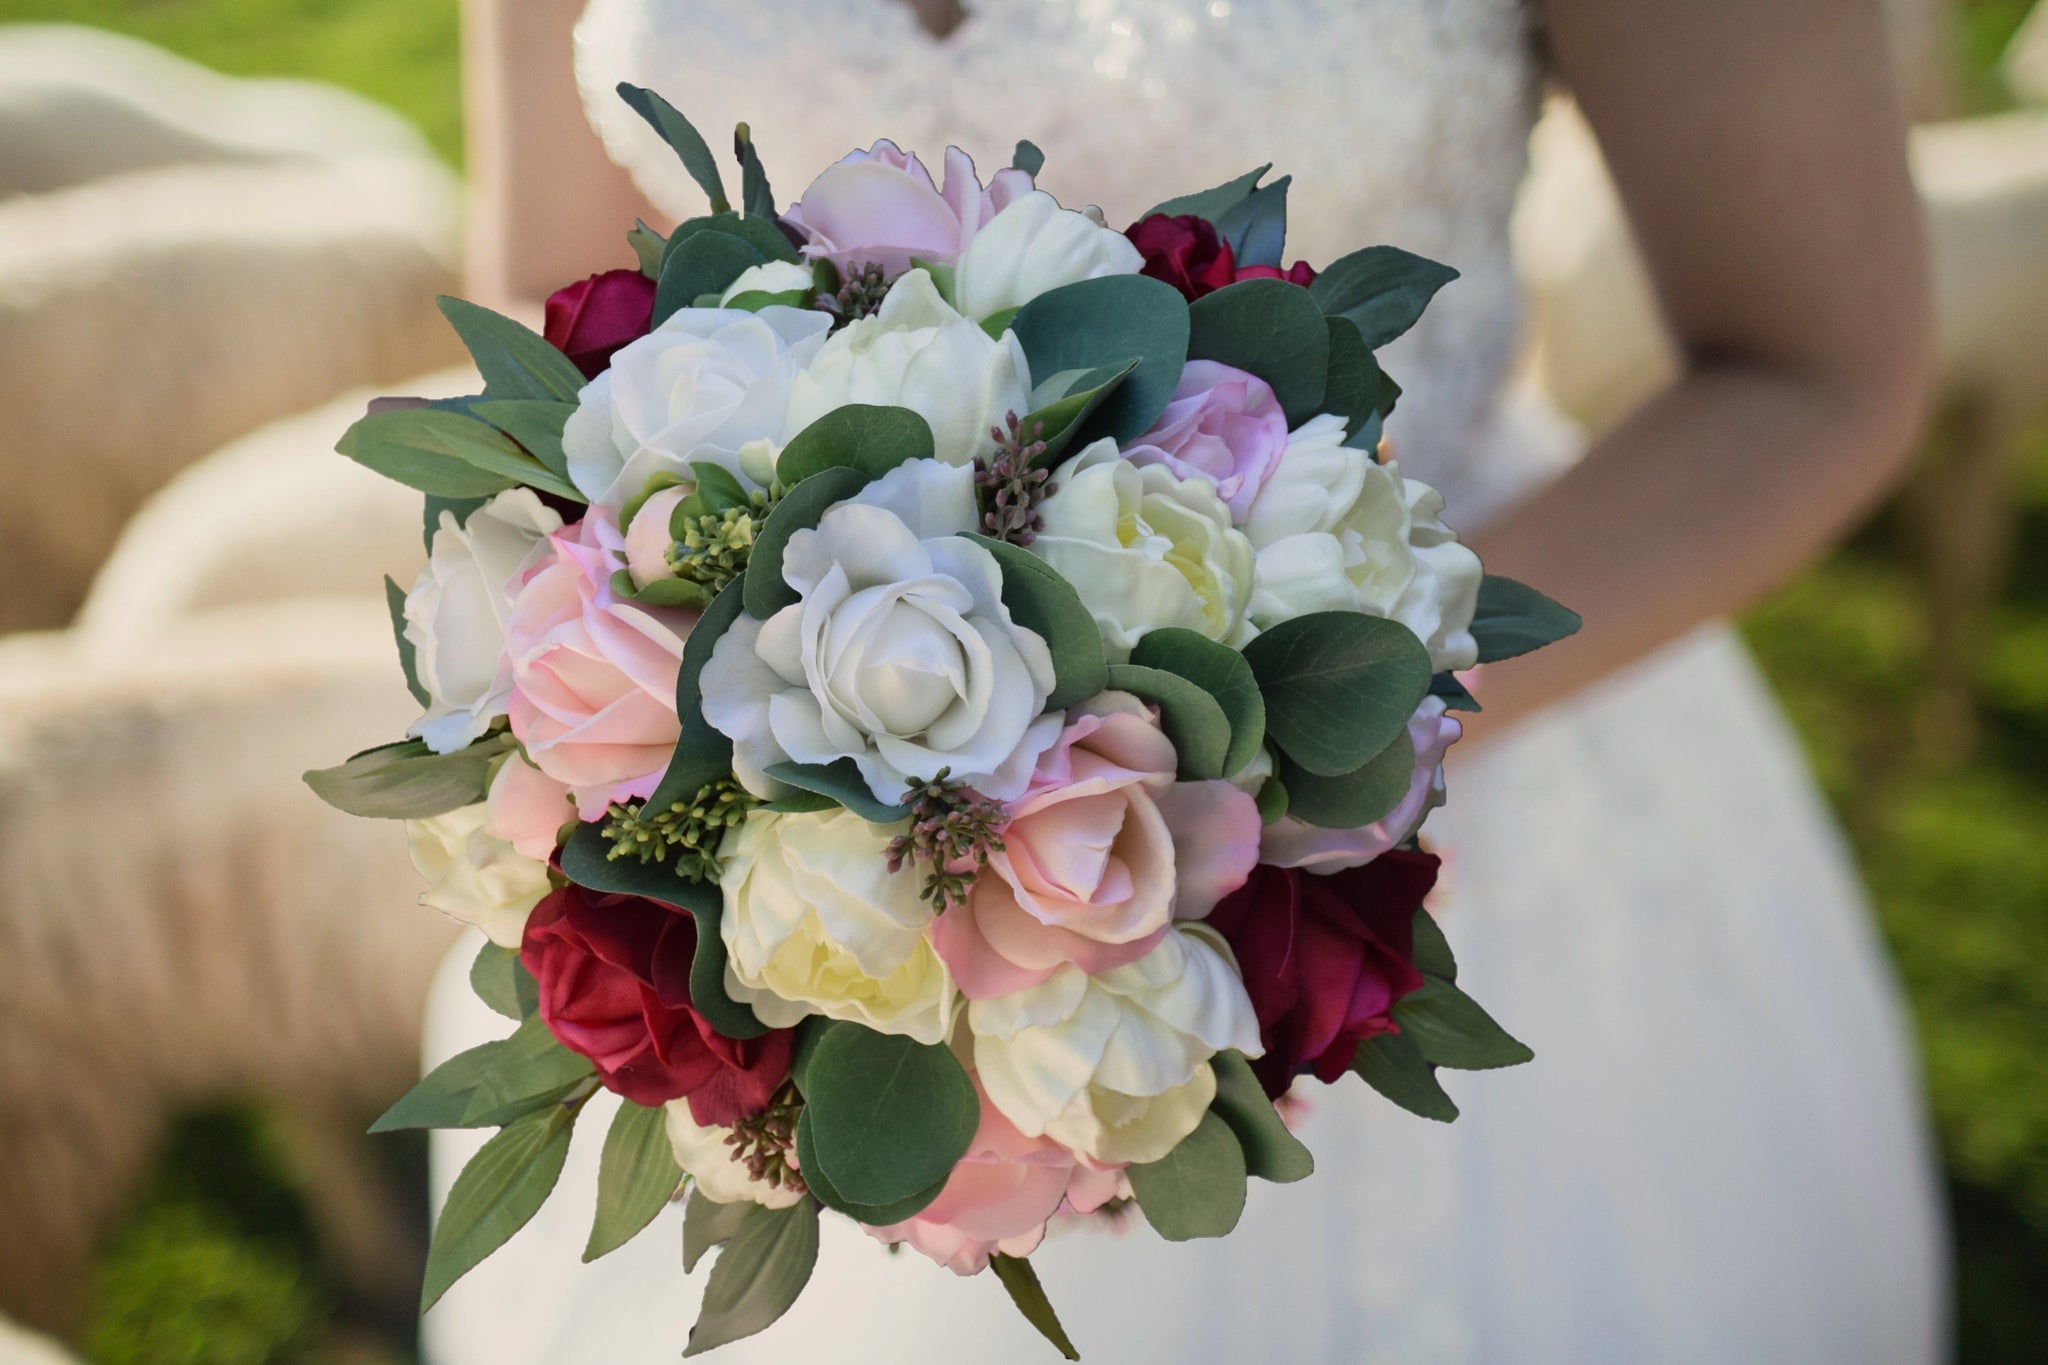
point(1187, 253)
point(589, 320)
point(1301, 273)
point(614, 974)
point(1325, 958)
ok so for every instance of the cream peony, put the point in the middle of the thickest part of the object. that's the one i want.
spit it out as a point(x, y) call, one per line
point(455, 614)
point(815, 923)
point(1335, 531)
point(1031, 247)
point(1145, 548)
point(1116, 1066)
point(711, 1165)
point(698, 387)
point(917, 353)
point(473, 875)
point(899, 654)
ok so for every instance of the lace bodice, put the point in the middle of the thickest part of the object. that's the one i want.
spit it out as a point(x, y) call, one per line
point(1402, 121)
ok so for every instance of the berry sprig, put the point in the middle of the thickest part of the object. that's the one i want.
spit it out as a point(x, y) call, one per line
point(691, 829)
point(764, 1143)
point(1013, 488)
point(950, 824)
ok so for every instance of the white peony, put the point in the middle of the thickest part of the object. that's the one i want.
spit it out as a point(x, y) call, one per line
point(815, 923)
point(1031, 247)
point(1116, 1066)
point(475, 877)
point(1145, 548)
point(455, 614)
point(713, 1165)
point(698, 387)
point(917, 353)
point(1336, 531)
point(898, 654)
point(772, 277)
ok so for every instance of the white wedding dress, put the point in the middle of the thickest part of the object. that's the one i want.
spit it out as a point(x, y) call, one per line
point(1718, 1155)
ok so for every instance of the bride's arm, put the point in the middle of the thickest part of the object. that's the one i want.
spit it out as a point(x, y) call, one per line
point(547, 206)
point(1758, 147)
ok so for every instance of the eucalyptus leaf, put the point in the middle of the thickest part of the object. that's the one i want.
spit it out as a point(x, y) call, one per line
point(1256, 225)
point(501, 981)
point(1392, 1064)
point(1359, 797)
point(1110, 321)
point(647, 246)
point(704, 263)
point(1513, 619)
point(442, 1096)
point(681, 137)
point(870, 440)
point(758, 232)
point(755, 195)
point(424, 448)
point(758, 1276)
point(1220, 671)
point(1211, 204)
point(1198, 1188)
point(1455, 694)
point(408, 659)
point(515, 361)
point(1432, 951)
point(1339, 686)
point(536, 424)
point(1383, 289)
point(1028, 159)
point(1021, 1281)
point(637, 1175)
point(702, 754)
point(766, 593)
point(1058, 419)
point(1043, 602)
point(500, 1189)
point(889, 1115)
point(869, 1215)
point(1191, 718)
point(1451, 1030)
point(1272, 800)
point(1272, 329)
point(1354, 386)
point(708, 1224)
point(1271, 1152)
point(841, 780)
point(409, 781)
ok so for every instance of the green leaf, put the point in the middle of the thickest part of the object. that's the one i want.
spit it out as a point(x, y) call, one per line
point(758, 232)
point(530, 1071)
point(1514, 618)
point(636, 1177)
point(408, 660)
point(998, 322)
point(1272, 329)
point(1394, 1066)
point(702, 754)
point(1339, 686)
point(1212, 204)
point(442, 1096)
point(1256, 225)
point(502, 1187)
point(809, 1034)
point(1198, 1188)
point(1109, 321)
point(758, 1275)
point(766, 593)
point(501, 981)
point(1043, 602)
point(1354, 386)
point(1028, 159)
point(870, 440)
point(755, 195)
point(1025, 1291)
point(869, 1215)
point(459, 508)
point(1272, 798)
point(1432, 951)
point(699, 264)
point(536, 424)
point(1271, 1152)
point(1061, 415)
point(1191, 718)
point(708, 1224)
point(428, 449)
point(647, 245)
point(1220, 671)
point(1355, 798)
point(889, 1115)
point(684, 139)
point(841, 782)
point(515, 361)
point(409, 781)
point(1450, 1029)
point(1383, 289)
point(1454, 693)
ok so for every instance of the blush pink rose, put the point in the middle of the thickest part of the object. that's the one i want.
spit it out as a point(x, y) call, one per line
point(527, 809)
point(880, 206)
point(1224, 425)
point(593, 676)
point(1294, 843)
point(1000, 1197)
point(1101, 854)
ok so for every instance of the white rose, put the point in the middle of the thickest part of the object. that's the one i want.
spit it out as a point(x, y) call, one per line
point(1031, 247)
point(1145, 548)
point(772, 277)
point(1116, 1066)
point(475, 877)
point(712, 1164)
point(917, 353)
point(698, 387)
point(455, 614)
point(1336, 531)
point(815, 923)
point(898, 654)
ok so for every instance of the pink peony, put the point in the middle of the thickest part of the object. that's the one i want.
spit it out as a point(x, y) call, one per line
point(1101, 853)
point(593, 676)
point(881, 207)
point(1223, 425)
point(1000, 1197)
point(1295, 843)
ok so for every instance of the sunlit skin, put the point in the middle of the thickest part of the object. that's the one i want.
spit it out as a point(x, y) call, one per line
point(1759, 148)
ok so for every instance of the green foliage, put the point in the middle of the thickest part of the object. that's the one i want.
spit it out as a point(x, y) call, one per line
point(1513, 619)
point(636, 1177)
point(409, 781)
point(766, 591)
point(394, 600)
point(841, 782)
point(1271, 1152)
point(1339, 686)
point(758, 1276)
point(1027, 158)
point(1045, 603)
point(703, 263)
point(707, 1224)
point(1110, 322)
point(515, 361)
point(1393, 1065)
point(888, 1115)
point(1223, 674)
point(501, 981)
point(501, 1188)
point(1214, 203)
point(1064, 402)
point(866, 439)
point(529, 1071)
point(703, 754)
point(1191, 718)
point(1256, 225)
point(1272, 329)
point(683, 138)
point(1450, 1029)
point(1348, 800)
point(1021, 1281)
point(1354, 385)
point(1382, 289)
point(1198, 1188)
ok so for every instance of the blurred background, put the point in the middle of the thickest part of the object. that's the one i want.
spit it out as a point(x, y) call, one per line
point(182, 1172)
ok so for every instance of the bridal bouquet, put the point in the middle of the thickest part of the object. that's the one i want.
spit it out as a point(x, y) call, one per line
point(930, 698)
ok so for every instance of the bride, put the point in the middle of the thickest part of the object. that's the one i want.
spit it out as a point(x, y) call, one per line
point(1719, 1155)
